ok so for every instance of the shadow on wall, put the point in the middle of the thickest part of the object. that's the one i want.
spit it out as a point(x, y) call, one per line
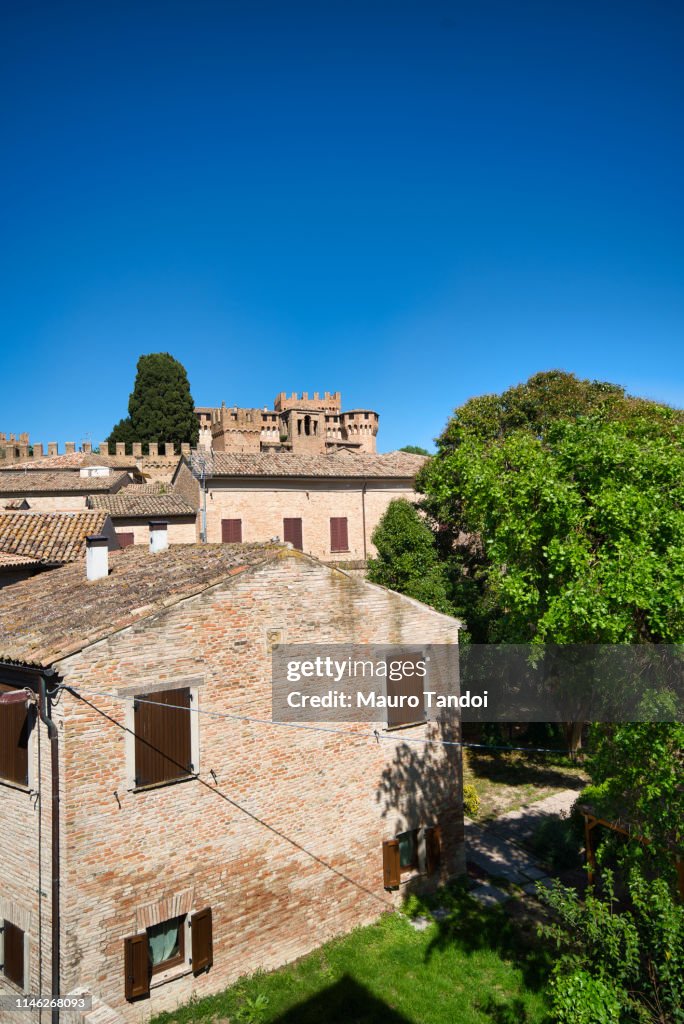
point(423, 785)
point(345, 1002)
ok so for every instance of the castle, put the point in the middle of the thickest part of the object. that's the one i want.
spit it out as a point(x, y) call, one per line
point(297, 423)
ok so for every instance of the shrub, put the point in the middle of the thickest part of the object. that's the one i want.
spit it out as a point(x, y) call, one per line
point(555, 842)
point(471, 800)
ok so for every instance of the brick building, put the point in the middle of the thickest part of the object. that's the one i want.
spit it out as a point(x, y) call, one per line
point(59, 490)
point(33, 542)
point(326, 505)
point(194, 848)
point(135, 508)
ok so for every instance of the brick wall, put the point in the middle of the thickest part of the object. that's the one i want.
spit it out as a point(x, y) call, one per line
point(262, 506)
point(51, 502)
point(282, 832)
point(180, 530)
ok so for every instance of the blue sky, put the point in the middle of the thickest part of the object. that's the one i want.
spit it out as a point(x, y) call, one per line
point(412, 203)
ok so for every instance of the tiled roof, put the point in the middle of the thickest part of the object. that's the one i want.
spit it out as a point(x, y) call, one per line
point(8, 561)
point(58, 613)
point(15, 504)
point(137, 502)
point(57, 482)
point(48, 537)
point(337, 464)
point(74, 460)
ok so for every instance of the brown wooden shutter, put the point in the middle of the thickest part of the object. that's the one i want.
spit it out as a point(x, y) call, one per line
point(202, 940)
point(14, 737)
point(231, 531)
point(292, 533)
point(162, 737)
point(137, 967)
point(339, 534)
point(13, 940)
point(391, 864)
point(407, 686)
point(433, 849)
point(125, 539)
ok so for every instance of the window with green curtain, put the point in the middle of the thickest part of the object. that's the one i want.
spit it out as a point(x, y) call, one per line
point(408, 849)
point(165, 941)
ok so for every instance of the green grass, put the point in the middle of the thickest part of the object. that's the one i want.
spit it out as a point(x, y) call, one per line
point(505, 781)
point(473, 968)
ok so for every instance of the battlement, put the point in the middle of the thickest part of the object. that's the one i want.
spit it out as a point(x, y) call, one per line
point(328, 403)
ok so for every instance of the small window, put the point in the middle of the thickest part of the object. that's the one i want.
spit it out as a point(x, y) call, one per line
point(339, 534)
point(408, 850)
point(405, 690)
point(125, 539)
point(166, 944)
point(13, 953)
point(231, 531)
point(15, 727)
point(163, 737)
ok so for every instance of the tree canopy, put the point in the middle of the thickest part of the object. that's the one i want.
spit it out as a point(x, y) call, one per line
point(414, 449)
point(160, 407)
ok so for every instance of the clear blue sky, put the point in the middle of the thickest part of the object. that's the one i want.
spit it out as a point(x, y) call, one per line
point(412, 203)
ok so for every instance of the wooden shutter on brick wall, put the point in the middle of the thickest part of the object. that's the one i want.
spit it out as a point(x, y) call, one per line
point(231, 531)
point(13, 943)
point(433, 849)
point(137, 967)
point(202, 940)
point(162, 737)
point(391, 864)
point(339, 534)
point(292, 533)
point(407, 686)
point(125, 539)
point(14, 735)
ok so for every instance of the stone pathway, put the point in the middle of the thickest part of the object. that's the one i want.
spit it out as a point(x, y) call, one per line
point(495, 847)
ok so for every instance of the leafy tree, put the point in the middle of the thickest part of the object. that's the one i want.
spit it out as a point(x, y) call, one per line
point(160, 407)
point(617, 968)
point(407, 559)
point(414, 449)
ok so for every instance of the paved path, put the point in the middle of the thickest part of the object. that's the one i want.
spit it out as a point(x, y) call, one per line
point(496, 846)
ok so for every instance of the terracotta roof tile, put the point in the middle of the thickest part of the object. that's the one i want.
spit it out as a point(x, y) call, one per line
point(137, 502)
point(337, 464)
point(8, 561)
point(58, 482)
point(74, 460)
point(58, 613)
point(49, 537)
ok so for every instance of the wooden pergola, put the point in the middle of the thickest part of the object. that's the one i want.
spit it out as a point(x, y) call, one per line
point(591, 820)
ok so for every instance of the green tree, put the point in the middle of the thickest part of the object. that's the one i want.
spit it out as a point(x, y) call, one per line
point(414, 449)
point(407, 559)
point(160, 407)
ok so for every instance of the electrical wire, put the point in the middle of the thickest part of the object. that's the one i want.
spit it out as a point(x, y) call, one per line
point(375, 735)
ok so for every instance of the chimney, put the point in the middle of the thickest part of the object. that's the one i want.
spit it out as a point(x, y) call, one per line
point(159, 538)
point(97, 557)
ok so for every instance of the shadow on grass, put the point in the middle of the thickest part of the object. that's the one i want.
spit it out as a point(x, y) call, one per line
point(526, 770)
point(345, 1002)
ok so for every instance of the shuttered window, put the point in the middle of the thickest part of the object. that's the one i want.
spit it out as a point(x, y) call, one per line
point(14, 736)
point(339, 538)
point(137, 967)
point(162, 947)
point(125, 539)
point(433, 849)
point(231, 531)
point(391, 864)
point(13, 953)
point(406, 691)
point(408, 849)
point(162, 737)
point(202, 940)
point(292, 533)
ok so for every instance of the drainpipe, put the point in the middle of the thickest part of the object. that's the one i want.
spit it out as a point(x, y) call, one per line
point(53, 735)
point(363, 518)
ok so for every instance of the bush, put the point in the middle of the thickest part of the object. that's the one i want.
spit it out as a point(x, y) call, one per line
point(579, 998)
point(471, 800)
point(555, 842)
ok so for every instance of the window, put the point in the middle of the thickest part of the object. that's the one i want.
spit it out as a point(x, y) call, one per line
point(163, 736)
point(410, 851)
point(125, 539)
point(162, 947)
point(405, 684)
point(292, 533)
point(13, 953)
point(166, 944)
point(231, 531)
point(339, 538)
point(15, 727)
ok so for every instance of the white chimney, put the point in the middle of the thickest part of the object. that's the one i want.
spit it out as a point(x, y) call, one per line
point(159, 538)
point(97, 557)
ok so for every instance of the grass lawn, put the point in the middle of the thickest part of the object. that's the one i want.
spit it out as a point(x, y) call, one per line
point(475, 967)
point(506, 781)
